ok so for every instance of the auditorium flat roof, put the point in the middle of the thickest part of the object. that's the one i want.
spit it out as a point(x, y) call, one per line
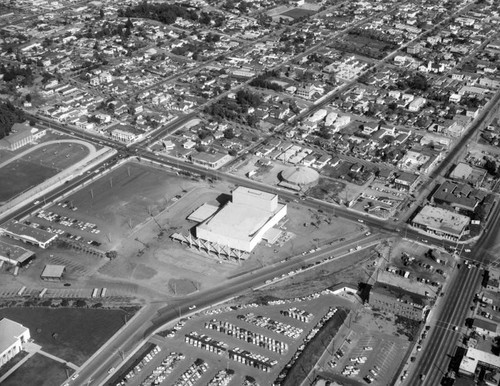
point(239, 221)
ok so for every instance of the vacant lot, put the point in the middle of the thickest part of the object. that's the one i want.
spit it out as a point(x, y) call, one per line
point(38, 165)
point(71, 334)
point(38, 370)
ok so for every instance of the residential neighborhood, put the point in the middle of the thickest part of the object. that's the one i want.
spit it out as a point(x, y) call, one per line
point(168, 161)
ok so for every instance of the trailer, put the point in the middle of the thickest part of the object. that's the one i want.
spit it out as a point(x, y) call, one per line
point(103, 292)
point(42, 293)
point(95, 291)
point(21, 291)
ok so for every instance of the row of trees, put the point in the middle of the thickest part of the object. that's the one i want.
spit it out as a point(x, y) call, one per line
point(168, 13)
point(8, 116)
point(263, 81)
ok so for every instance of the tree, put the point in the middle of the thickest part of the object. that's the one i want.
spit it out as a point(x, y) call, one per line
point(229, 133)
point(490, 166)
point(101, 13)
point(80, 303)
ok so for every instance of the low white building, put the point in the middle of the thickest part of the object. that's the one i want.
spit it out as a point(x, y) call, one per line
point(13, 336)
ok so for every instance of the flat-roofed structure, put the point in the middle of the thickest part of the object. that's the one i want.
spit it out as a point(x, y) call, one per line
point(484, 327)
point(474, 358)
point(203, 212)
point(12, 338)
point(27, 234)
point(53, 272)
point(242, 222)
point(15, 255)
point(397, 301)
point(441, 222)
point(458, 196)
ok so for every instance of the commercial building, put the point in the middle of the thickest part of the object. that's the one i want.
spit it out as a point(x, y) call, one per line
point(397, 301)
point(458, 196)
point(441, 223)
point(15, 255)
point(406, 181)
point(53, 272)
point(27, 234)
point(12, 338)
point(484, 327)
point(242, 223)
point(209, 160)
point(20, 136)
point(475, 358)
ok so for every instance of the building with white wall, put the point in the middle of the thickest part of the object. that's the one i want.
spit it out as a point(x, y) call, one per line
point(242, 223)
point(13, 336)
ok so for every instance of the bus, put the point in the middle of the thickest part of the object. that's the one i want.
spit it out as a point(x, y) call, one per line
point(95, 292)
point(103, 292)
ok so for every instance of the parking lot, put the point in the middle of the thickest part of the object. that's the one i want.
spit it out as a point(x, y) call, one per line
point(244, 342)
point(366, 357)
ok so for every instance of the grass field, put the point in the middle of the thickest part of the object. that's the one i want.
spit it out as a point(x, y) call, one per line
point(71, 334)
point(37, 166)
point(297, 13)
point(22, 175)
point(38, 370)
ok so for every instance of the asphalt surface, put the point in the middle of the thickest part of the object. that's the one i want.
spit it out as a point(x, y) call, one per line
point(434, 360)
point(96, 370)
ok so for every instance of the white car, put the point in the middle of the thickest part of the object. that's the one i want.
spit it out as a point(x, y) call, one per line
point(192, 307)
point(75, 376)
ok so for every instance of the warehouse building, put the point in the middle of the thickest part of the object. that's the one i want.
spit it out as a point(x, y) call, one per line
point(27, 234)
point(15, 255)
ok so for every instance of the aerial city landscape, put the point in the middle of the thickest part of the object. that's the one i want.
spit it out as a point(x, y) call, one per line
point(249, 192)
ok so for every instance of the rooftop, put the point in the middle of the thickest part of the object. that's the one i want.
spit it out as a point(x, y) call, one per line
point(9, 332)
point(474, 356)
point(52, 270)
point(26, 231)
point(203, 212)
point(442, 220)
point(241, 221)
point(398, 293)
point(14, 252)
point(485, 325)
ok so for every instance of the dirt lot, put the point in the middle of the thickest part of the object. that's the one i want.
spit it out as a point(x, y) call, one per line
point(136, 208)
point(423, 270)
